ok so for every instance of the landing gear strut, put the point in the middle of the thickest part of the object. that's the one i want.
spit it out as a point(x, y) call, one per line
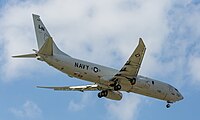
point(116, 86)
point(103, 93)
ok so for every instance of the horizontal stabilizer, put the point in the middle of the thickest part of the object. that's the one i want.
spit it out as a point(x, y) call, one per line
point(73, 88)
point(26, 56)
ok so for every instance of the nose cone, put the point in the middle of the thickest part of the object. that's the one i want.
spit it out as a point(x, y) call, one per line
point(180, 96)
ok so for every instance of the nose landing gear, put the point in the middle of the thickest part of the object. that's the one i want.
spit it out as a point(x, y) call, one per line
point(168, 104)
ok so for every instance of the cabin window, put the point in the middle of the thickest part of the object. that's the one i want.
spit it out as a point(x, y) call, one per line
point(176, 89)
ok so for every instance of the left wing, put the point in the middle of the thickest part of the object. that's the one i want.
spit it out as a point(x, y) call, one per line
point(74, 88)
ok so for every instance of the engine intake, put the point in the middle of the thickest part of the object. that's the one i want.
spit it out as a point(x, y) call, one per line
point(114, 95)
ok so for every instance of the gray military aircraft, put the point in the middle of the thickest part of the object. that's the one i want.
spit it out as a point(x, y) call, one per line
point(107, 80)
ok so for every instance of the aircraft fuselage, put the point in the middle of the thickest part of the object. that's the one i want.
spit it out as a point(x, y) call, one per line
point(101, 75)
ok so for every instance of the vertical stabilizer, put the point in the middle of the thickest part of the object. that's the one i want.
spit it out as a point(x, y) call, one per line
point(42, 36)
point(41, 32)
point(46, 45)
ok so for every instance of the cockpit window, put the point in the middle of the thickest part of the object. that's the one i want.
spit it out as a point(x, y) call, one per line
point(176, 89)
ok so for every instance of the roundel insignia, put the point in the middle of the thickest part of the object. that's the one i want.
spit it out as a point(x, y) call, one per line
point(95, 69)
point(137, 55)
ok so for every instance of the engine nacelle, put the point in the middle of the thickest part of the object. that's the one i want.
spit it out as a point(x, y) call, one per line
point(114, 95)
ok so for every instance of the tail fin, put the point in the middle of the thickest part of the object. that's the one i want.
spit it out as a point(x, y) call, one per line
point(40, 30)
point(43, 36)
point(45, 42)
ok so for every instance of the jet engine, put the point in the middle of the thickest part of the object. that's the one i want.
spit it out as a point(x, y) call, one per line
point(114, 95)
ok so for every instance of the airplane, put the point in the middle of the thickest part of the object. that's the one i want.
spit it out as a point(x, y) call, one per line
point(110, 82)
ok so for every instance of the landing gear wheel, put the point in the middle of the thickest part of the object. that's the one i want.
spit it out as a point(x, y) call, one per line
point(168, 105)
point(103, 93)
point(99, 95)
point(117, 87)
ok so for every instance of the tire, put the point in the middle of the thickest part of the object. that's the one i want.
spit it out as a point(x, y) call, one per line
point(117, 87)
point(105, 93)
point(168, 105)
point(99, 95)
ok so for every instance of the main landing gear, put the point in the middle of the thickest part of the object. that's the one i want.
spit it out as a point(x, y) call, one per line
point(117, 87)
point(103, 93)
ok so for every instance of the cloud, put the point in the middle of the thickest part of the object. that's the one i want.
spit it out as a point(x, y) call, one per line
point(29, 110)
point(182, 44)
point(99, 29)
point(127, 109)
point(84, 29)
point(194, 67)
point(106, 32)
point(80, 104)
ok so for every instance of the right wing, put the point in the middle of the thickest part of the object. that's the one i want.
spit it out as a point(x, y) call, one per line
point(74, 88)
point(132, 66)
